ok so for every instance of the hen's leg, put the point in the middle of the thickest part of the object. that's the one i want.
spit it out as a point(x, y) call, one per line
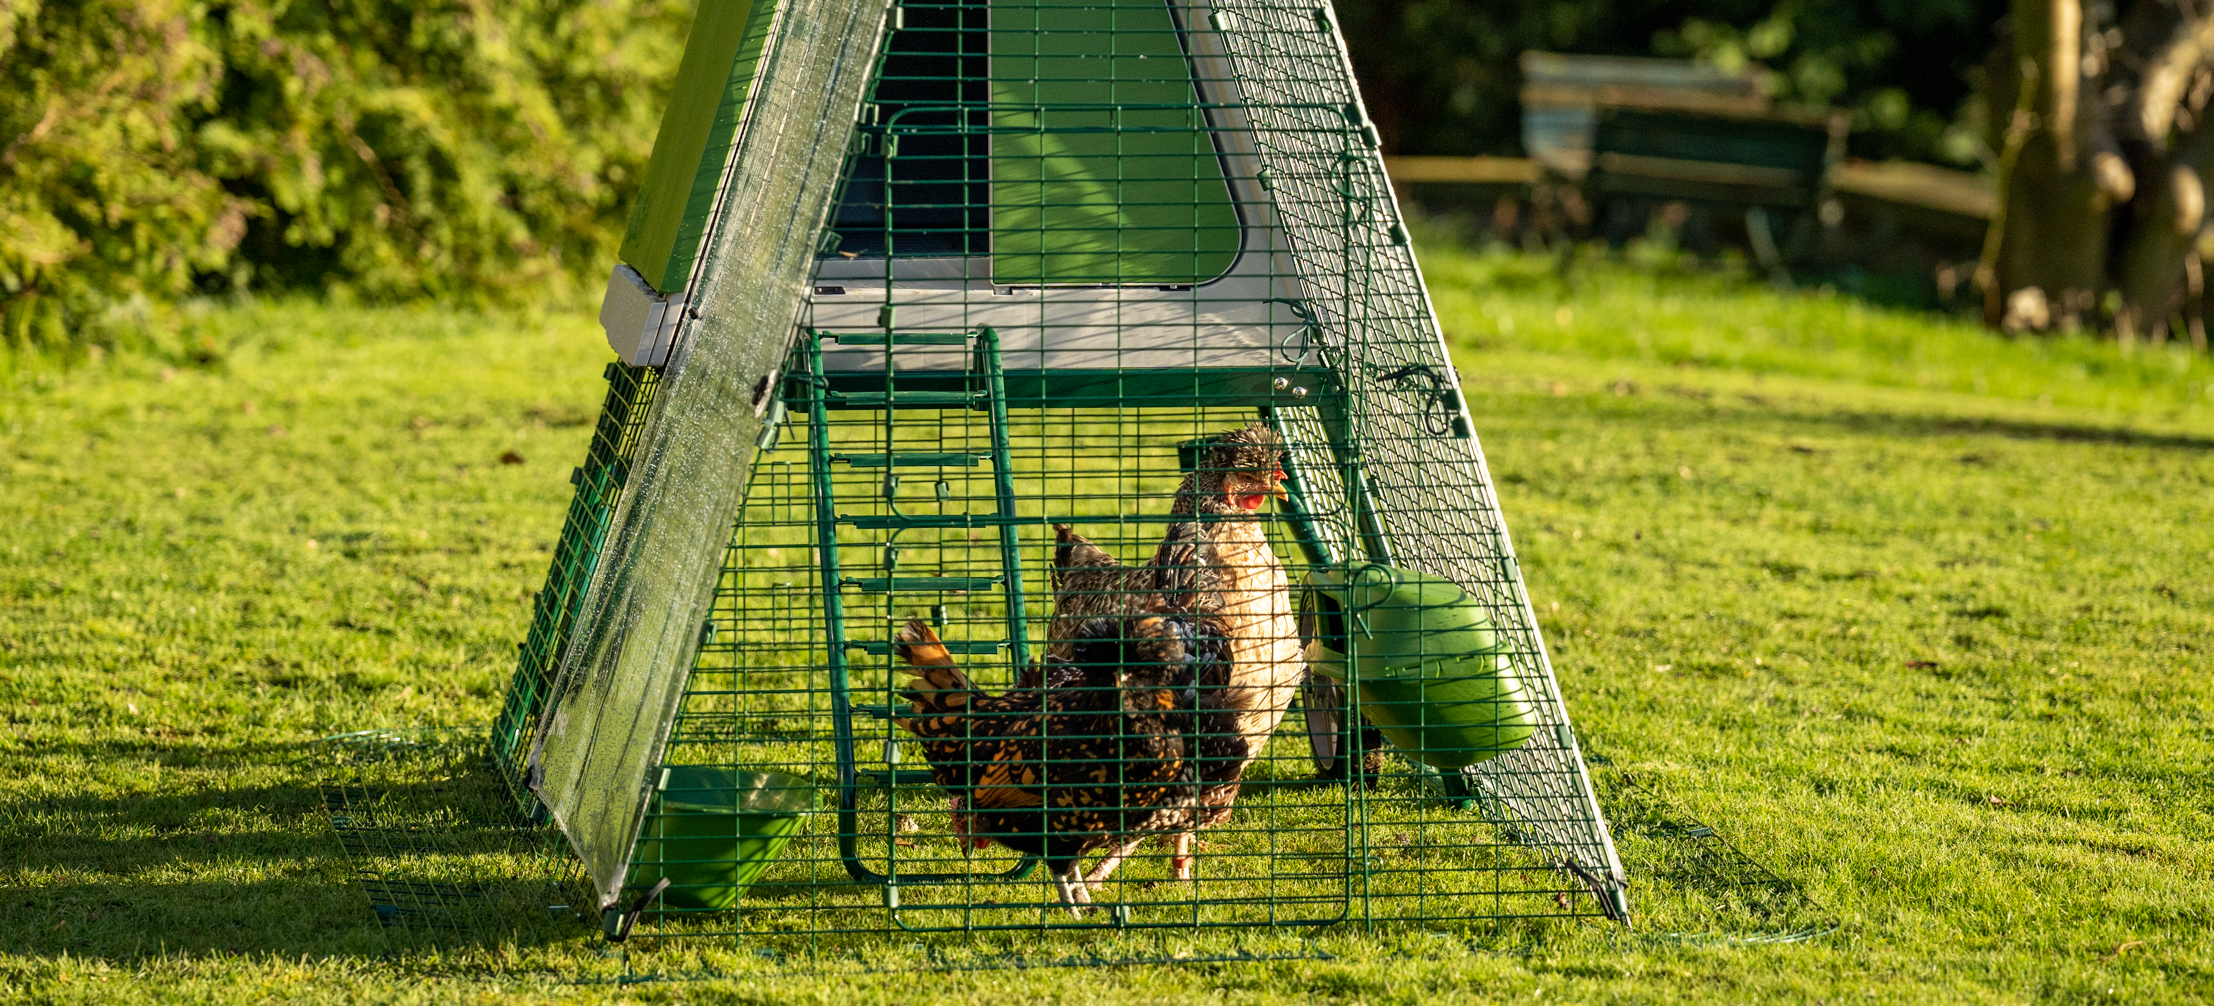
point(1071, 888)
point(1180, 862)
point(957, 816)
point(1107, 864)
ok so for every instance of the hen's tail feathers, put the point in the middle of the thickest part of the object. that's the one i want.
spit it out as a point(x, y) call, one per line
point(1074, 551)
point(938, 684)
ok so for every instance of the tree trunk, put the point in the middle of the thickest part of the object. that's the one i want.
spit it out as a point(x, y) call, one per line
point(2160, 249)
point(2165, 231)
point(2062, 175)
point(2094, 114)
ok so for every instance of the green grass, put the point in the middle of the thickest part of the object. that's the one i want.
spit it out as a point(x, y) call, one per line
point(1918, 616)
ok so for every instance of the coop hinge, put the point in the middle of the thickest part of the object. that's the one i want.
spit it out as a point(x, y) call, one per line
point(641, 322)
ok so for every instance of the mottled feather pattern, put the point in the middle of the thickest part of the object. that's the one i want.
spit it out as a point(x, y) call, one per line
point(1219, 570)
point(1059, 767)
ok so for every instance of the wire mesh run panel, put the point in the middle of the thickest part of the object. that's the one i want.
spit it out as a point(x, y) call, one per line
point(798, 678)
point(1116, 398)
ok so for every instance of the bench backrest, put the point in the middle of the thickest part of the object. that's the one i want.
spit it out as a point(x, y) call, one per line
point(1773, 160)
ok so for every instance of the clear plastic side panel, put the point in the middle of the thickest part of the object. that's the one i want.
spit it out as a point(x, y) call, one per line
point(625, 670)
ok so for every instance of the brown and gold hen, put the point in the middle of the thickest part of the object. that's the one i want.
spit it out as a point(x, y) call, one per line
point(1069, 759)
point(1218, 566)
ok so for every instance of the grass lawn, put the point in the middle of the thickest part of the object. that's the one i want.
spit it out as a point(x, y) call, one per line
point(1919, 617)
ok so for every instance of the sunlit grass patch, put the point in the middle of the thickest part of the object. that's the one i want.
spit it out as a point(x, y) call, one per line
point(1934, 650)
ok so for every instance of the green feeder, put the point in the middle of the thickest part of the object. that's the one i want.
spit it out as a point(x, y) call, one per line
point(711, 831)
point(1432, 674)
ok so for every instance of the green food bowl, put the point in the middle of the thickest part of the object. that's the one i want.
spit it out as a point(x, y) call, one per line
point(1432, 675)
point(711, 831)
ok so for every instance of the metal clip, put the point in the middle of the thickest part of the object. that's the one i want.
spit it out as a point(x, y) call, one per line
point(619, 922)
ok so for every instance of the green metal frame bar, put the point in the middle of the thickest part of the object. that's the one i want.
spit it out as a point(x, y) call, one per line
point(834, 612)
point(1304, 529)
point(1003, 485)
point(1158, 388)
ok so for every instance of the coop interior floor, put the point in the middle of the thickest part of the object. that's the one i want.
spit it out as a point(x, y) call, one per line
point(1916, 616)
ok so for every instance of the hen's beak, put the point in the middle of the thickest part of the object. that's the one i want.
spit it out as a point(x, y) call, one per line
point(1276, 485)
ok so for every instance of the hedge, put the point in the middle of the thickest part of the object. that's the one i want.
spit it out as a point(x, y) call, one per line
point(372, 149)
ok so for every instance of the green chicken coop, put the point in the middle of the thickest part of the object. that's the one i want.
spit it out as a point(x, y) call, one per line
point(905, 288)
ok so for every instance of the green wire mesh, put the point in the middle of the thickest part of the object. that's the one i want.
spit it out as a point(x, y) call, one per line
point(435, 841)
point(1695, 886)
point(554, 609)
point(768, 687)
point(622, 675)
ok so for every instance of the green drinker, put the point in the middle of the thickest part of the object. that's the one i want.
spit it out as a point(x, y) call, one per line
point(1434, 674)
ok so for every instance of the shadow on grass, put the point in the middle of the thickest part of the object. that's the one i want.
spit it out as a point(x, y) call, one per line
point(1905, 424)
point(1911, 425)
point(429, 855)
point(319, 913)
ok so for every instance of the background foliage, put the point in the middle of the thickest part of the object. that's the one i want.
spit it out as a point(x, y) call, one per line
point(473, 151)
point(378, 148)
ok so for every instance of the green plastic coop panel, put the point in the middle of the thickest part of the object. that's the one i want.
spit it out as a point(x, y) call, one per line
point(721, 60)
point(1081, 194)
point(1087, 193)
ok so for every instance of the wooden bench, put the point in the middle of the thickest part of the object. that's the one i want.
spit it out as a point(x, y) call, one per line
point(1775, 161)
point(1770, 163)
point(1562, 95)
point(1611, 130)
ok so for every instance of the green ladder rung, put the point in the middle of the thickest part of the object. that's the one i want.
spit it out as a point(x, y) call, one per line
point(897, 521)
point(908, 397)
point(900, 338)
point(965, 647)
point(958, 459)
point(902, 777)
point(882, 584)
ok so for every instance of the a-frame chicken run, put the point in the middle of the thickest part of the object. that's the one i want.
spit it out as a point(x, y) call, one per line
point(1035, 495)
